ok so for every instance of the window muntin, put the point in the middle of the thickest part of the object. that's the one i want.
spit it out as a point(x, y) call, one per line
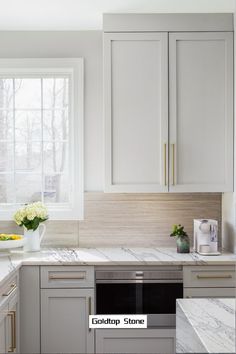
point(34, 133)
point(42, 135)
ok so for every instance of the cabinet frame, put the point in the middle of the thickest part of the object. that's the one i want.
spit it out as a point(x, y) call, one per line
point(168, 181)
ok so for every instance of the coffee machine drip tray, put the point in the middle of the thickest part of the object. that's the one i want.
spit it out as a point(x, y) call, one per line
point(209, 254)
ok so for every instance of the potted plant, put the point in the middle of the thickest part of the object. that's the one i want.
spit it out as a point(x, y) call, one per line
point(182, 239)
point(31, 217)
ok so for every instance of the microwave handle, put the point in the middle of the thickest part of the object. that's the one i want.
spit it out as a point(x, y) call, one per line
point(140, 281)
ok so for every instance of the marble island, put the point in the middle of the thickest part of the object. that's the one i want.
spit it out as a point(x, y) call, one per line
point(107, 256)
point(205, 326)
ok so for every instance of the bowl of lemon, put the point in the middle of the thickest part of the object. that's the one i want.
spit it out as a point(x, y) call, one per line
point(11, 241)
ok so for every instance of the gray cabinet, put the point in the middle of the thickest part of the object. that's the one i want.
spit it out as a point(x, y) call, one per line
point(9, 317)
point(209, 276)
point(136, 111)
point(3, 329)
point(168, 105)
point(135, 341)
point(201, 111)
point(64, 320)
point(209, 281)
point(55, 304)
point(30, 309)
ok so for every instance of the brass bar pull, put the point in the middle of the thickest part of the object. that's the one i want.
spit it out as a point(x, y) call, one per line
point(227, 276)
point(165, 180)
point(173, 164)
point(14, 329)
point(89, 309)
point(11, 348)
point(12, 288)
point(67, 277)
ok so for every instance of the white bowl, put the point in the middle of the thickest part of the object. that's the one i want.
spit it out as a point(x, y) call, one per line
point(12, 243)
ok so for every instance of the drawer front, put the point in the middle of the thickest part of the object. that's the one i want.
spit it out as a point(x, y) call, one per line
point(9, 289)
point(209, 276)
point(67, 277)
point(134, 341)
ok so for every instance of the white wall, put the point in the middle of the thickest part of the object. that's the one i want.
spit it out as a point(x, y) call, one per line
point(87, 14)
point(86, 44)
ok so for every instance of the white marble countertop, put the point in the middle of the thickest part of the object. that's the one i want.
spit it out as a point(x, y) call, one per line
point(107, 256)
point(205, 326)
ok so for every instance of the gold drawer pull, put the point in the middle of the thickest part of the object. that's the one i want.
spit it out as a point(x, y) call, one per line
point(14, 329)
point(165, 179)
point(90, 308)
point(227, 276)
point(66, 277)
point(173, 164)
point(11, 349)
point(12, 288)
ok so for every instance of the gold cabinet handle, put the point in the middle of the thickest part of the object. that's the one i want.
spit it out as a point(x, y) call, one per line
point(14, 329)
point(89, 309)
point(12, 288)
point(67, 277)
point(165, 179)
point(173, 164)
point(12, 347)
point(202, 276)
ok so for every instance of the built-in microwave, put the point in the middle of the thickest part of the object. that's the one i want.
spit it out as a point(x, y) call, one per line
point(149, 291)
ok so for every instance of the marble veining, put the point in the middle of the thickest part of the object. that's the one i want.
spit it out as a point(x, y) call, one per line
point(205, 326)
point(107, 256)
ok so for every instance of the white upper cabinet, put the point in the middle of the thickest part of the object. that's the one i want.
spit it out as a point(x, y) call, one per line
point(201, 111)
point(136, 111)
point(168, 105)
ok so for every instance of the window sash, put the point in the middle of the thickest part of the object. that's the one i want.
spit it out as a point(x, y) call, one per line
point(73, 70)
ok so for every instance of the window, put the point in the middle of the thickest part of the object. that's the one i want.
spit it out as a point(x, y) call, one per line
point(41, 135)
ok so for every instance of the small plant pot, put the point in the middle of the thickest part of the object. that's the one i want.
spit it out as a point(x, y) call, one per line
point(183, 244)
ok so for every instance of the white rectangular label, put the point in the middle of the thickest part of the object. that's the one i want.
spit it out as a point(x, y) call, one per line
point(118, 321)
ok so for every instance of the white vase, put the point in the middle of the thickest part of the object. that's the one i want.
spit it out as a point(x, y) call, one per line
point(33, 239)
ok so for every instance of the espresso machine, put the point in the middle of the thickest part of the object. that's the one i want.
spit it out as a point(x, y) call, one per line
point(206, 237)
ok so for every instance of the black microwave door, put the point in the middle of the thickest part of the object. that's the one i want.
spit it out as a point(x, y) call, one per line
point(118, 299)
point(160, 298)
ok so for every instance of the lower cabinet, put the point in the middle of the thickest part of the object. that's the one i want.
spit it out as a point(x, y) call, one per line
point(135, 341)
point(64, 321)
point(9, 320)
point(209, 281)
point(3, 329)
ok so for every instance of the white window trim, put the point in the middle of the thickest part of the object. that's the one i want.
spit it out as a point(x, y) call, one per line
point(75, 68)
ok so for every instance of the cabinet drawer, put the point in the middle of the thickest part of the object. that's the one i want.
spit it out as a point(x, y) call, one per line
point(134, 341)
point(209, 276)
point(9, 289)
point(67, 277)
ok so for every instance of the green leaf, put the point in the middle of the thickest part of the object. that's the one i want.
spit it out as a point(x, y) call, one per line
point(178, 230)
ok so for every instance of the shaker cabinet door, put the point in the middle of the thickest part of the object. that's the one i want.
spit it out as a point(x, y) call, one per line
point(64, 321)
point(134, 341)
point(136, 112)
point(201, 111)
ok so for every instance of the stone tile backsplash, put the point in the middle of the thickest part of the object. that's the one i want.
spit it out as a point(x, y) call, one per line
point(135, 220)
